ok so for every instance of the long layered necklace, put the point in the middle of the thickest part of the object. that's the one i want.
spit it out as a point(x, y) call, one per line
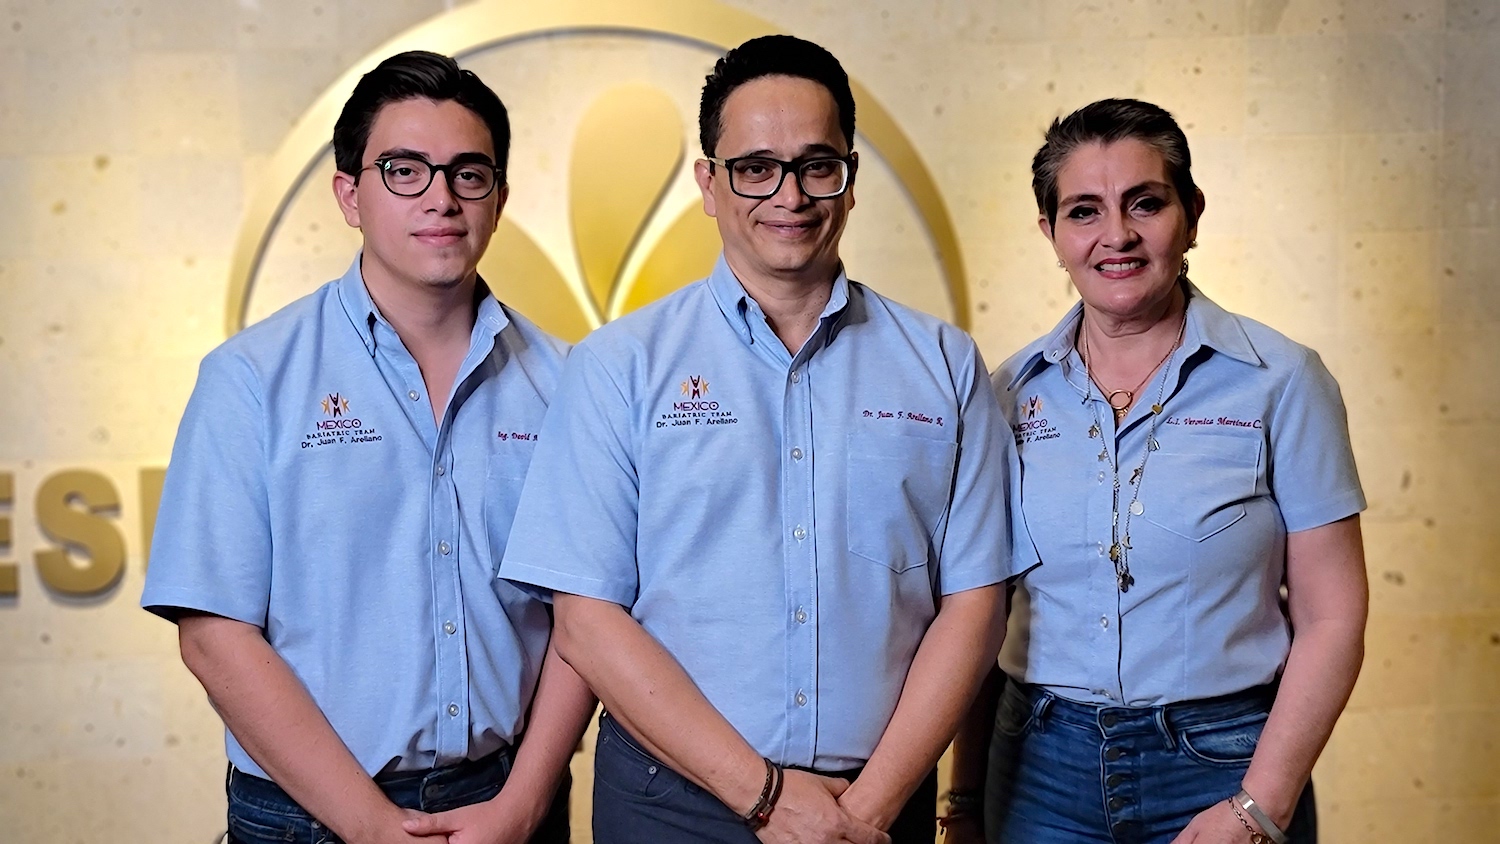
point(1119, 535)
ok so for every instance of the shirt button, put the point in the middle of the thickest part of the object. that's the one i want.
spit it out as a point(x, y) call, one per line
point(443, 548)
point(796, 454)
point(1101, 549)
point(441, 471)
point(1104, 622)
point(1101, 477)
point(796, 376)
point(799, 533)
point(453, 709)
point(801, 699)
point(801, 616)
point(450, 628)
point(1113, 754)
point(412, 394)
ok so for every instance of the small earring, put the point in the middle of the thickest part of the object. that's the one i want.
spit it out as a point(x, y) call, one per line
point(1061, 265)
point(1192, 243)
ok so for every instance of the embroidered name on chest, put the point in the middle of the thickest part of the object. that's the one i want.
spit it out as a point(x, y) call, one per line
point(1224, 421)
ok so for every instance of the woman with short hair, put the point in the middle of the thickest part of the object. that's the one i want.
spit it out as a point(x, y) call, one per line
point(1178, 659)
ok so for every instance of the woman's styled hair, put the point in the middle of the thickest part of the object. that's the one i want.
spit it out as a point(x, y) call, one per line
point(1105, 122)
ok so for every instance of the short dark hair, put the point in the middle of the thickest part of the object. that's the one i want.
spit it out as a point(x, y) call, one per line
point(415, 75)
point(771, 55)
point(1105, 122)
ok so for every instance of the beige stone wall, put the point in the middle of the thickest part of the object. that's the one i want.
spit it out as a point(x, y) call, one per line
point(1350, 153)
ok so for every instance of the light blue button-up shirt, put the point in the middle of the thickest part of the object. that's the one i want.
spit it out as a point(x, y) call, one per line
point(311, 493)
point(1254, 443)
point(783, 524)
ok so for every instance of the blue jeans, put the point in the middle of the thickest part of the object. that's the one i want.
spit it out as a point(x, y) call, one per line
point(261, 813)
point(1062, 771)
point(638, 800)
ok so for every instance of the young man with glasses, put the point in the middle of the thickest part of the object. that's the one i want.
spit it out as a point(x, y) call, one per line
point(338, 500)
point(770, 508)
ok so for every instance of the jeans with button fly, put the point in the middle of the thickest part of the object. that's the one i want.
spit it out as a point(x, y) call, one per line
point(260, 812)
point(1063, 771)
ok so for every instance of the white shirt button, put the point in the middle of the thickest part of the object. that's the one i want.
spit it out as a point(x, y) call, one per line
point(1101, 477)
point(441, 471)
point(796, 454)
point(801, 616)
point(796, 376)
point(453, 709)
point(801, 699)
point(450, 628)
point(443, 548)
point(1104, 622)
point(1101, 549)
point(799, 533)
point(412, 394)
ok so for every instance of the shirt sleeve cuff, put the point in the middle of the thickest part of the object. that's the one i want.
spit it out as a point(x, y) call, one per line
point(543, 581)
point(1325, 512)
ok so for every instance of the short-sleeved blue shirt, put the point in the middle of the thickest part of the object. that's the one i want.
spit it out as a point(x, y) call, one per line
point(784, 524)
point(1254, 443)
point(311, 493)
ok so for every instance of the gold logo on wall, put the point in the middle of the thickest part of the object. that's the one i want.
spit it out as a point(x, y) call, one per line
point(633, 237)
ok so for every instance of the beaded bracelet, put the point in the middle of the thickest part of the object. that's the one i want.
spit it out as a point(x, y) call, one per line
point(961, 805)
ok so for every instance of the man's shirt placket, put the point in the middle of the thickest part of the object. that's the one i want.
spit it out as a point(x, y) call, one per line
point(801, 559)
point(443, 546)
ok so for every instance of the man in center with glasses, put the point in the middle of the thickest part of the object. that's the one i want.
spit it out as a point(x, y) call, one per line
point(770, 508)
point(338, 500)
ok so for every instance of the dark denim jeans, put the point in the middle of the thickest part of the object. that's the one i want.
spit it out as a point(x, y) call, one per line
point(638, 800)
point(261, 813)
point(1062, 771)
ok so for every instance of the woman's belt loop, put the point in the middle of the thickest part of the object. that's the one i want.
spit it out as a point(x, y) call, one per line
point(1167, 737)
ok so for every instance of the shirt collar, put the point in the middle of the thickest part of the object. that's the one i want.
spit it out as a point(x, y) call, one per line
point(1207, 325)
point(737, 305)
point(489, 320)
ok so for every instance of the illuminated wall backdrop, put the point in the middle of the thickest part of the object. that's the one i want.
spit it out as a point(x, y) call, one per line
point(1350, 152)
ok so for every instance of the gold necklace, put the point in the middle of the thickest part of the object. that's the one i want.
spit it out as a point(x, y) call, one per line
point(1119, 534)
point(1109, 395)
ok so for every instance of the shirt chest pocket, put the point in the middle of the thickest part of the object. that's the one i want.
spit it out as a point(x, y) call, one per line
point(1199, 487)
point(502, 492)
point(898, 489)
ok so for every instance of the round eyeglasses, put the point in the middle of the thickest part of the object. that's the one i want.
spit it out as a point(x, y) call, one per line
point(412, 176)
point(758, 177)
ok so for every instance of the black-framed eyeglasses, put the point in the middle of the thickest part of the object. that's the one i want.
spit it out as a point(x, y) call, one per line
point(758, 177)
point(406, 176)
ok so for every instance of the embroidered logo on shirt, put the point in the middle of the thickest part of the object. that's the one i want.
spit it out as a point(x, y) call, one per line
point(1035, 427)
point(696, 386)
point(698, 409)
point(516, 436)
point(337, 426)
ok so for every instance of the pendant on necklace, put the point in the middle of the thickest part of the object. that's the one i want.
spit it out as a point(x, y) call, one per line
point(1114, 552)
point(1152, 444)
point(1094, 430)
point(1156, 408)
point(1135, 477)
point(1125, 580)
point(1137, 508)
point(1103, 454)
